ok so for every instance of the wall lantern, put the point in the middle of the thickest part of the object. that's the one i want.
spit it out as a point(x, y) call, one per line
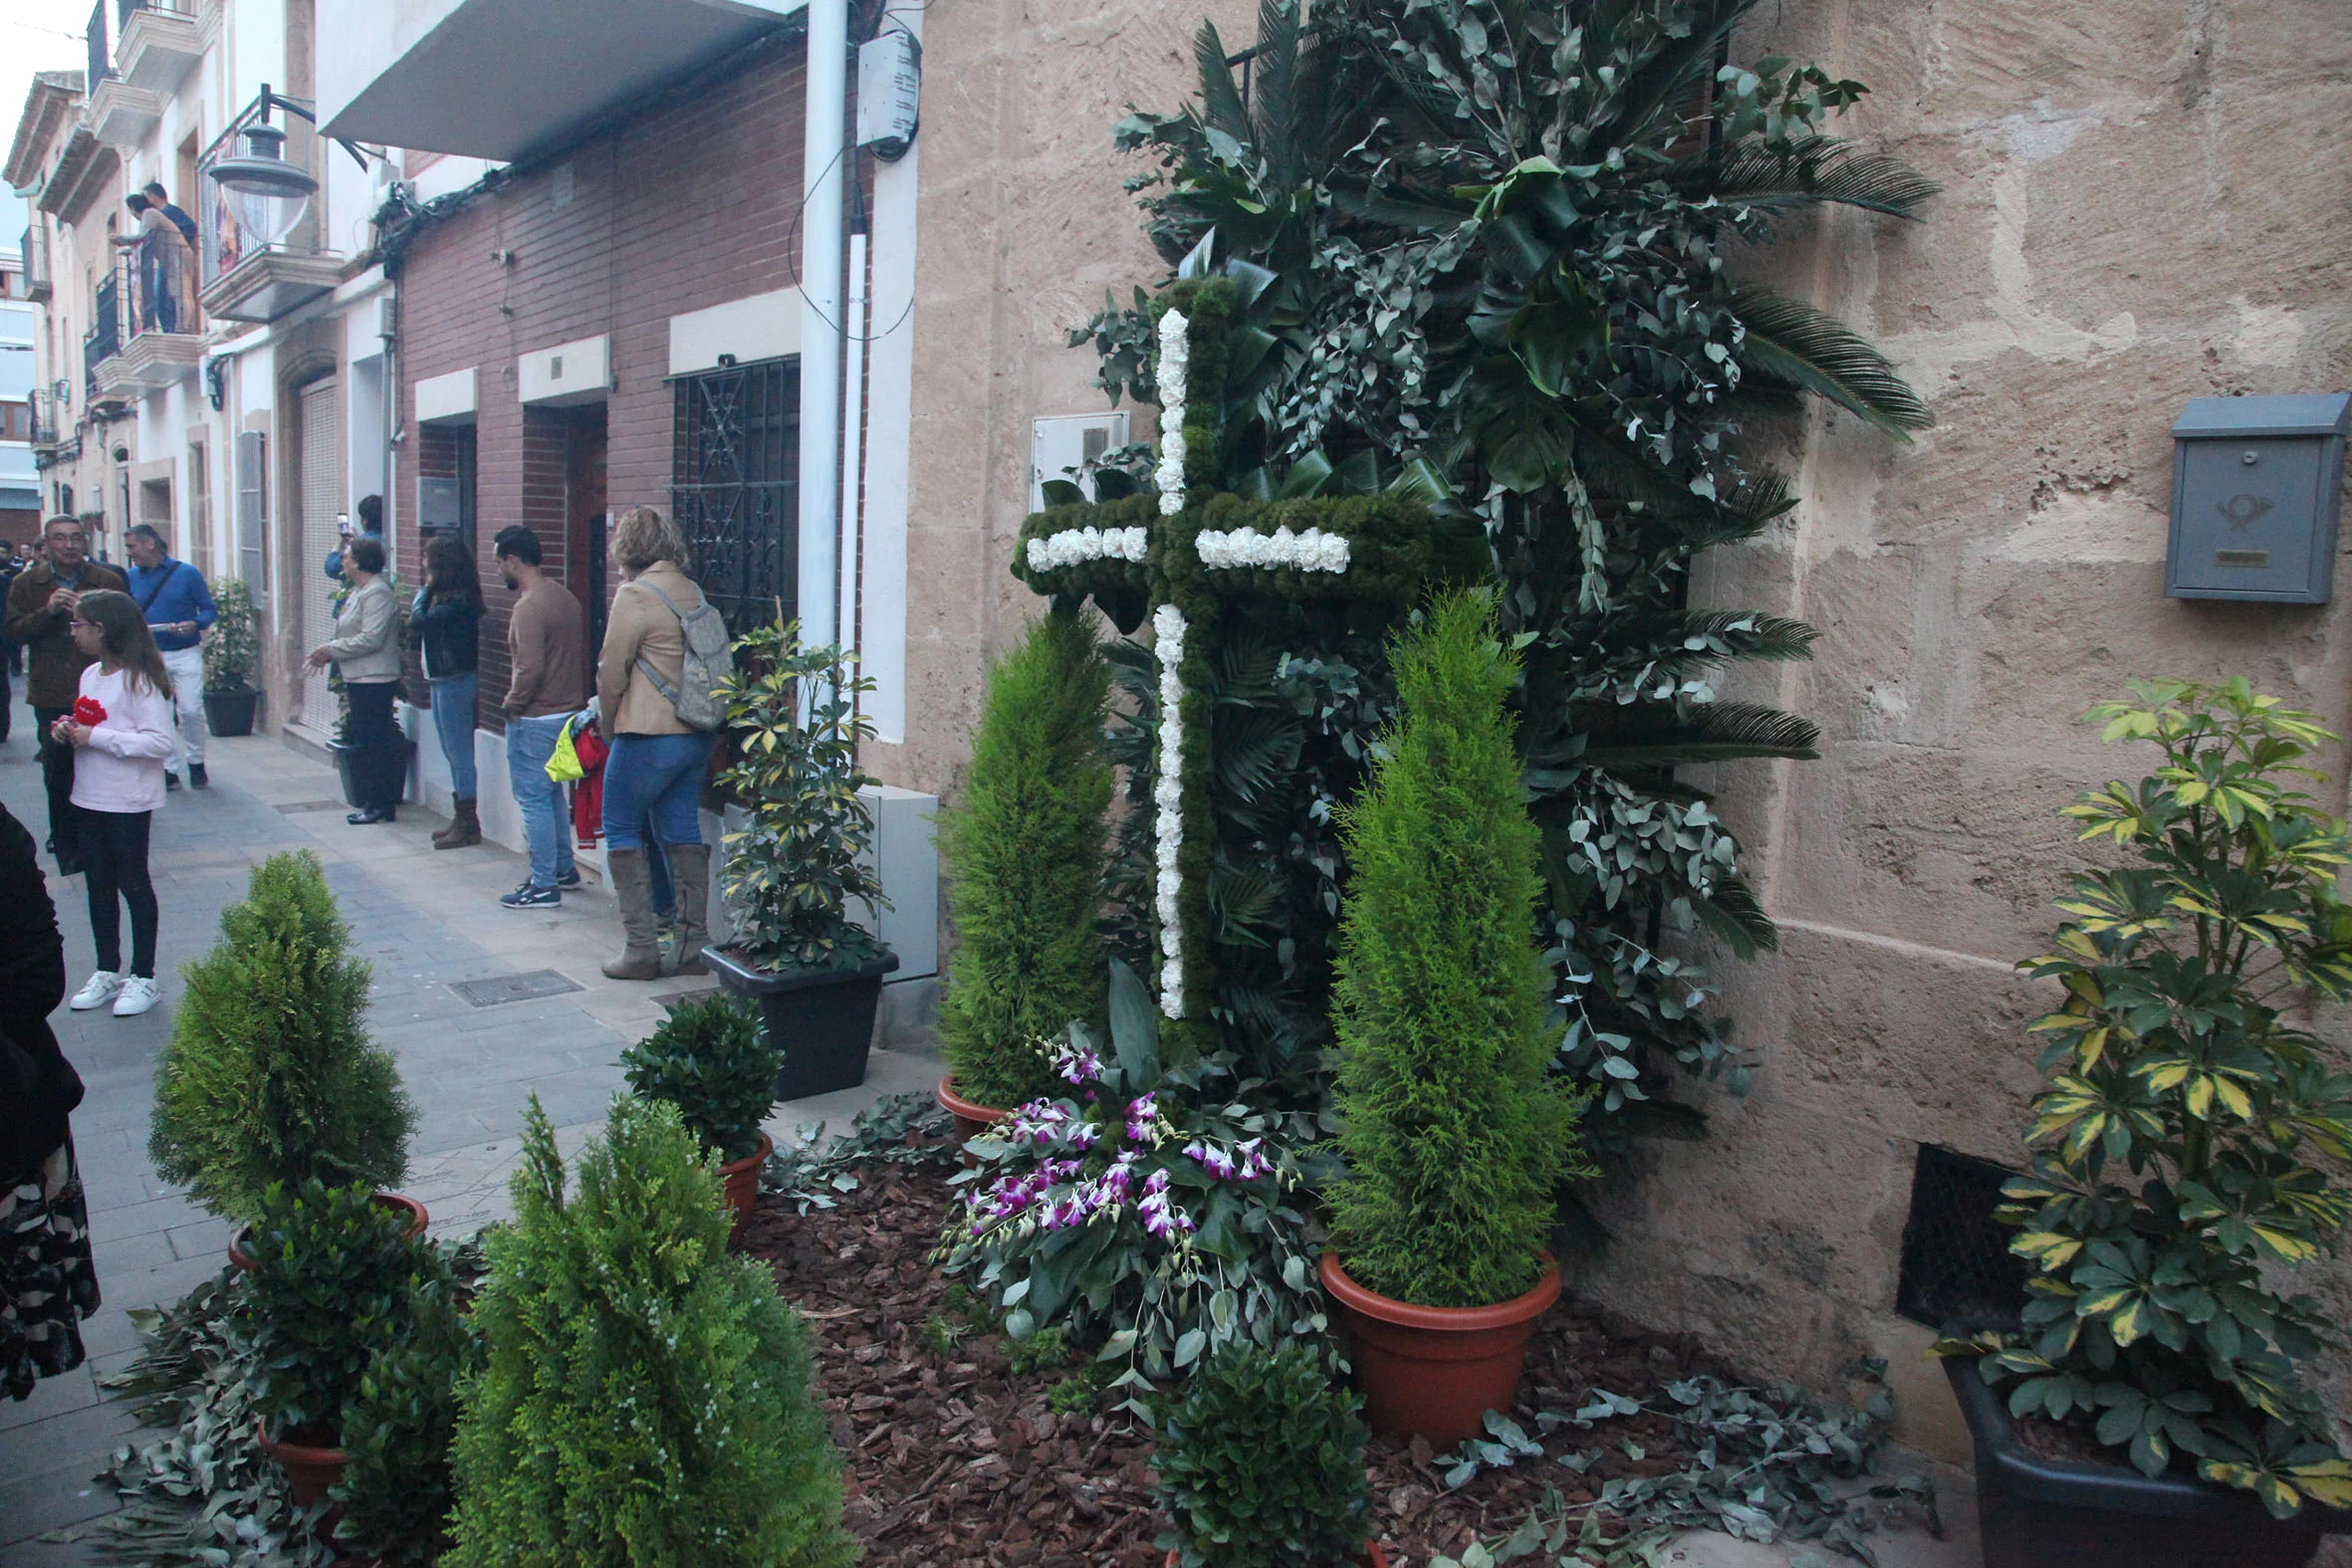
point(2255, 484)
point(274, 194)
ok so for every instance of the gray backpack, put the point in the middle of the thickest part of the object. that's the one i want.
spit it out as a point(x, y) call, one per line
point(709, 660)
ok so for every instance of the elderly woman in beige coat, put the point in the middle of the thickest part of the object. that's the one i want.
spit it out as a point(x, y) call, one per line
point(367, 653)
point(653, 775)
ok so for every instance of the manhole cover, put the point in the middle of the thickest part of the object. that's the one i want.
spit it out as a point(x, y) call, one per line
point(291, 806)
point(500, 988)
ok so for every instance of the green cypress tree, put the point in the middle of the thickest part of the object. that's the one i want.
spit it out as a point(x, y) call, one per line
point(1455, 1135)
point(270, 1075)
point(646, 1399)
point(1025, 854)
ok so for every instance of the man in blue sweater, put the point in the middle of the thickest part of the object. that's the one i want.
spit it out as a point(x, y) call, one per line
point(179, 608)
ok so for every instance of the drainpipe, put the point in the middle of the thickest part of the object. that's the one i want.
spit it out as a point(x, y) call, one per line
point(824, 162)
point(852, 431)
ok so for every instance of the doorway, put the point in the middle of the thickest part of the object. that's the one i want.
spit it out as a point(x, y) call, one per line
point(583, 517)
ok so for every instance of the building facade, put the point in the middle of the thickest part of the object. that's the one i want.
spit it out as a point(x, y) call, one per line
point(20, 480)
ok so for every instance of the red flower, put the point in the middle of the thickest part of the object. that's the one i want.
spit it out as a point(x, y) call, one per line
point(89, 712)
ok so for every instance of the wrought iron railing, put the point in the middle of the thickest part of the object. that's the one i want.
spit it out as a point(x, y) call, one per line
point(124, 8)
point(101, 46)
point(151, 289)
point(34, 248)
point(104, 340)
point(44, 420)
point(232, 227)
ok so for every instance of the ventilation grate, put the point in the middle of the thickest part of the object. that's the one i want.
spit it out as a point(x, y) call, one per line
point(1956, 1263)
point(499, 990)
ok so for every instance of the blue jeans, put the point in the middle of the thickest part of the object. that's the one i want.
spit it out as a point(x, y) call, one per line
point(545, 827)
point(453, 721)
point(654, 780)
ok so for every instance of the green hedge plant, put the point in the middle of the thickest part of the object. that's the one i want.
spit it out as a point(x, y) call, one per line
point(1455, 1136)
point(331, 1289)
point(712, 1060)
point(1025, 854)
point(269, 1074)
point(646, 1399)
point(2185, 1141)
point(1262, 1463)
point(399, 1427)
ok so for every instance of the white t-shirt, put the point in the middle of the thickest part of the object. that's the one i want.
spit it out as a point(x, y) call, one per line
point(121, 768)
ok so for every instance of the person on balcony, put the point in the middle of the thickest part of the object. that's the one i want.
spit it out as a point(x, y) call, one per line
point(40, 616)
point(179, 605)
point(166, 267)
point(160, 199)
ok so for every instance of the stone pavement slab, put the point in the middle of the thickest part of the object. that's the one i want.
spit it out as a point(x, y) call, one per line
point(429, 920)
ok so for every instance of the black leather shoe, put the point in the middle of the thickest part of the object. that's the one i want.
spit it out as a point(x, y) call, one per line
point(375, 813)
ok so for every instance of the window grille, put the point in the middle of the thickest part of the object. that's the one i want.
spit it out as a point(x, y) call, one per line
point(735, 487)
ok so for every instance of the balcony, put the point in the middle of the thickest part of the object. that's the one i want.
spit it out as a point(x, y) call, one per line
point(34, 250)
point(501, 79)
point(243, 274)
point(118, 112)
point(146, 333)
point(157, 43)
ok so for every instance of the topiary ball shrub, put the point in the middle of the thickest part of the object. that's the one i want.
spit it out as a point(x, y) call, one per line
point(270, 1075)
point(1025, 853)
point(1454, 1133)
point(647, 1399)
point(331, 1289)
point(712, 1060)
point(1262, 1463)
point(399, 1427)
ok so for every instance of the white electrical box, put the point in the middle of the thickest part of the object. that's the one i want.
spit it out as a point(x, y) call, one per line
point(1068, 446)
point(889, 92)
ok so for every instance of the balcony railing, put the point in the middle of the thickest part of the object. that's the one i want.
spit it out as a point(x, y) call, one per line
point(244, 274)
point(146, 319)
point(104, 340)
point(124, 8)
point(34, 250)
point(101, 39)
point(44, 420)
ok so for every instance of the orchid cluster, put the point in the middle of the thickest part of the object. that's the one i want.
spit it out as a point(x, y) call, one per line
point(1167, 798)
point(1071, 547)
point(1311, 551)
point(1175, 364)
point(1147, 1212)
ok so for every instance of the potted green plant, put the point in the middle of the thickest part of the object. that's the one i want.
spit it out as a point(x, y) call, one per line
point(1025, 853)
point(1453, 1134)
point(333, 1279)
point(645, 1398)
point(270, 1075)
point(712, 1060)
point(397, 1428)
point(232, 661)
point(801, 859)
point(2181, 1159)
point(1261, 1464)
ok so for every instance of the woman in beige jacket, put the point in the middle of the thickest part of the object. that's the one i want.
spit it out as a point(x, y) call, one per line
point(367, 653)
point(654, 773)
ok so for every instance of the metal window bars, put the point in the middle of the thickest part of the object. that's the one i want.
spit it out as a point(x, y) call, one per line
point(735, 487)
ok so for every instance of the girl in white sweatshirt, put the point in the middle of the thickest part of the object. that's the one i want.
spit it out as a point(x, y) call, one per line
point(121, 732)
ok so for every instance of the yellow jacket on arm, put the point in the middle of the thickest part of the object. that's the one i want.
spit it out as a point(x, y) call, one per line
point(641, 626)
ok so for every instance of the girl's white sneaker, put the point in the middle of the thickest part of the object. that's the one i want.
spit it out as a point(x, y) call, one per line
point(138, 994)
point(98, 988)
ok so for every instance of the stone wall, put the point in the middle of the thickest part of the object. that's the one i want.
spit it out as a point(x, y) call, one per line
point(2143, 202)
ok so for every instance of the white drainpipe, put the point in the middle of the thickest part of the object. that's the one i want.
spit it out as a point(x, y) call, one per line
point(826, 161)
point(852, 442)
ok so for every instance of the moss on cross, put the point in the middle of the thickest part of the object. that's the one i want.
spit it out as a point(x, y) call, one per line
point(1182, 557)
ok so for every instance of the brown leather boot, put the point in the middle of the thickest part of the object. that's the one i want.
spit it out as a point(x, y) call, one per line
point(465, 828)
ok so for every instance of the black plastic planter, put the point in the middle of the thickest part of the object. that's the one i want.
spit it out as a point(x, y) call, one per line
point(823, 1017)
point(2053, 1513)
point(230, 713)
point(387, 765)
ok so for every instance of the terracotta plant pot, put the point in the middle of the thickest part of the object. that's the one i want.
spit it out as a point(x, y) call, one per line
point(1370, 1557)
point(972, 1118)
point(417, 1220)
point(1434, 1372)
point(311, 1472)
point(743, 1180)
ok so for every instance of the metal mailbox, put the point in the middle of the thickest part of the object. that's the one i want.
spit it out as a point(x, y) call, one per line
point(2256, 481)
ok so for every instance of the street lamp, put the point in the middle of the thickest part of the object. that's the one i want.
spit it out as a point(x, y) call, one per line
point(271, 194)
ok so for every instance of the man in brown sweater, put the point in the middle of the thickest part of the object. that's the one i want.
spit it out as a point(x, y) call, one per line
point(547, 642)
point(40, 611)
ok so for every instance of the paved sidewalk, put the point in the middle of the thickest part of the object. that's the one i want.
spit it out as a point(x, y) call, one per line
point(429, 921)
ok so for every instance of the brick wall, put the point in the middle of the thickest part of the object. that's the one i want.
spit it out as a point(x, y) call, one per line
point(686, 207)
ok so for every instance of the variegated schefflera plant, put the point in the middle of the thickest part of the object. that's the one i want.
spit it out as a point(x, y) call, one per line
point(2184, 1141)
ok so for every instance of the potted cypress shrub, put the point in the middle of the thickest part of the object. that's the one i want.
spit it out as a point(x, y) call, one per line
point(801, 859)
point(712, 1060)
point(331, 1289)
point(397, 1428)
point(2180, 1170)
point(645, 1398)
point(1025, 855)
point(232, 661)
point(270, 1075)
point(1262, 1465)
point(1453, 1134)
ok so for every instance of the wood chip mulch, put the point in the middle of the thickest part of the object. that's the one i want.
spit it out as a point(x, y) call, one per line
point(953, 1459)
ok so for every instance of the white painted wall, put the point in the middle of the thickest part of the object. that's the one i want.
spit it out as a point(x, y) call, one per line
point(889, 411)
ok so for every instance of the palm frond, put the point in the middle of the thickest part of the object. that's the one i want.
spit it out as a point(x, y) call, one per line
point(1254, 750)
point(1754, 636)
point(1790, 342)
point(1243, 901)
point(1274, 80)
point(1221, 101)
point(1815, 169)
point(1673, 75)
point(1731, 912)
point(1645, 734)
